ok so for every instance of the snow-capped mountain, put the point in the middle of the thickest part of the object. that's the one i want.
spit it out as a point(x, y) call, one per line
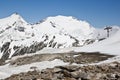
point(68, 26)
point(13, 28)
point(18, 37)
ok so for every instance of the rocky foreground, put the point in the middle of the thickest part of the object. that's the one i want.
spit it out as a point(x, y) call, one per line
point(109, 71)
point(104, 71)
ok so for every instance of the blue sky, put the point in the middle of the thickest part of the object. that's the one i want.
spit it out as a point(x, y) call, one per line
point(99, 13)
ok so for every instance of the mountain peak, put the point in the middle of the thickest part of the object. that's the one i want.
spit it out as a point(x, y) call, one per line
point(15, 19)
point(16, 16)
point(15, 13)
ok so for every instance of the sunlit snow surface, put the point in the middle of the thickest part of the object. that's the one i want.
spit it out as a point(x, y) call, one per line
point(108, 46)
point(7, 70)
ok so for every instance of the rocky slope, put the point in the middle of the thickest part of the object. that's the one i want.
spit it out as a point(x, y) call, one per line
point(93, 72)
point(104, 71)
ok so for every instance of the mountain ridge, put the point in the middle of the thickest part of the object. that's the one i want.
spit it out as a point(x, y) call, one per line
point(17, 37)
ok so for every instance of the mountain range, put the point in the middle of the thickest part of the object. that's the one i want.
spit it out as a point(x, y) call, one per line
point(18, 37)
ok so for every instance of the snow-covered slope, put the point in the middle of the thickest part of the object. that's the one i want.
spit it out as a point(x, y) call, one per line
point(18, 37)
point(7, 70)
point(110, 46)
point(70, 25)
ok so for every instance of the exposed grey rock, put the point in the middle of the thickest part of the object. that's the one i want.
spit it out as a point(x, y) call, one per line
point(5, 50)
point(98, 76)
point(32, 49)
point(75, 74)
point(58, 76)
point(56, 70)
point(84, 75)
